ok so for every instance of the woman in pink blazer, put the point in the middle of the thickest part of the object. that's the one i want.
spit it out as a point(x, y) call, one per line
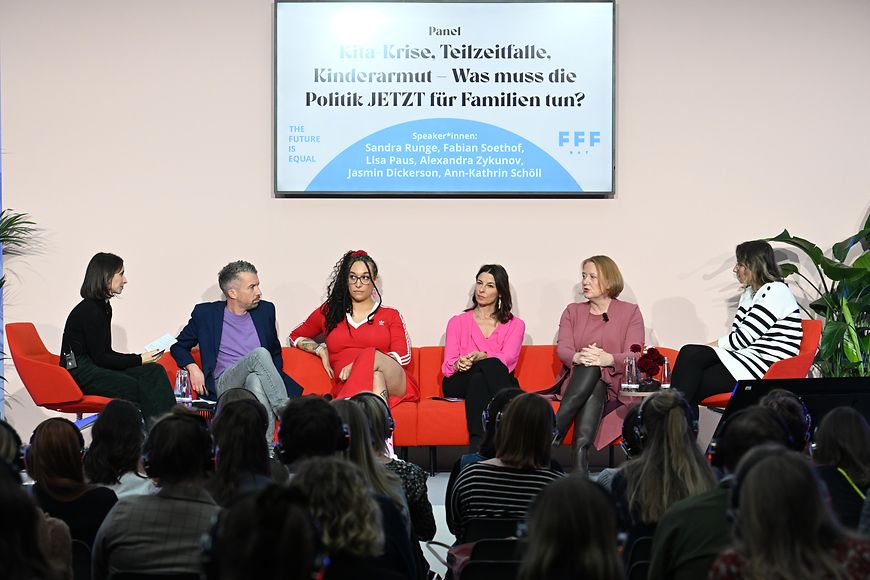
point(481, 348)
point(594, 339)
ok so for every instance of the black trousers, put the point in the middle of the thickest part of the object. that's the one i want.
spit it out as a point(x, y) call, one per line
point(146, 386)
point(478, 385)
point(699, 373)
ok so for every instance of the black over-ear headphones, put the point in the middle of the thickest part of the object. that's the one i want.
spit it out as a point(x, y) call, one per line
point(154, 468)
point(289, 451)
point(389, 423)
point(717, 448)
point(639, 427)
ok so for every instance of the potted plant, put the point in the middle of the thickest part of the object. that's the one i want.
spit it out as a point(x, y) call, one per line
point(16, 231)
point(843, 302)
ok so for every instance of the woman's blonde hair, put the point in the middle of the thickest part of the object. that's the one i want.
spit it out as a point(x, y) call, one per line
point(670, 467)
point(341, 502)
point(609, 275)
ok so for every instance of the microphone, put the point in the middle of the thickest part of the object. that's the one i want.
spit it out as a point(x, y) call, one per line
point(605, 317)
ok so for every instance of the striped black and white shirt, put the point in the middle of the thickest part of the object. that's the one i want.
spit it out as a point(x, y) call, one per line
point(490, 491)
point(766, 329)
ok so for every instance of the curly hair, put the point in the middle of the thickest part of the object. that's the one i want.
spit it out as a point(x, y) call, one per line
point(340, 500)
point(338, 302)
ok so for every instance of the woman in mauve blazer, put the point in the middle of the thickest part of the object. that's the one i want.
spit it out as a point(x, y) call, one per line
point(594, 339)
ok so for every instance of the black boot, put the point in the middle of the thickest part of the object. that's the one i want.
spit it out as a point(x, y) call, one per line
point(586, 426)
point(580, 386)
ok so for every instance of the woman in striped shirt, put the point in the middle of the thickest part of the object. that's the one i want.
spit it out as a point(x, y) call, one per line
point(504, 487)
point(766, 329)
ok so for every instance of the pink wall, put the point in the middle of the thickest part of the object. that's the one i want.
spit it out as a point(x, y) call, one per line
point(144, 129)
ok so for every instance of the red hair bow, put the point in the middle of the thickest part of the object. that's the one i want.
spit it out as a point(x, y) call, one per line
point(358, 253)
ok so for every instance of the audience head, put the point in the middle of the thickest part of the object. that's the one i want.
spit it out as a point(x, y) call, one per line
point(98, 276)
point(231, 396)
point(502, 287)
point(569, 513)
point(843, 440)
point(20, 555)
point(793, 413)
point(310, 427)
point(746, 429)
point(378, 413)
point(631, 443)
point(54, 458)
point(758, 263)
point(11, 448)
point(116, 444)
point(783, 526)
point(339, 499)
point(671, 467)
point(178, 448)
point(268, 535)
point(239, 433)
point(525, 433)
point(492, 418)
point(338, 298)
point(361, 453)
point(609, 276)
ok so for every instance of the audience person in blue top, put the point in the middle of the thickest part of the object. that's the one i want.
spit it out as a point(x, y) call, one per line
point(54, 461)
point(238, 344)
point(842, 458)
point(571, 533)
point(783, 529)
point(267, 535)
point(766, 329)
point(694, 530)
point(240, 452)
point(160, 533)
point(115, 455)
point(670, 467)
point(86, 349)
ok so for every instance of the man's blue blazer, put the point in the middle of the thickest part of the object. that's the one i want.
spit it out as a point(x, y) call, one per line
point(205, 328)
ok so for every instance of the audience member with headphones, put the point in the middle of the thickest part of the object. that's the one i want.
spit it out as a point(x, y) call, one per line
point(521, 465)
point(267, 535)
point(670, 466)
point(241, 453)
point(783, 527)
point(795, 414)
point(160, 533)
point(694, 530)
point(413, 477)
point(54, 461)
point(842, 457)
point(34, 545)
point(312, 428)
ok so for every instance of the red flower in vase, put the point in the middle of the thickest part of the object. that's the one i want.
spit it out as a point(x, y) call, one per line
point(650, 362)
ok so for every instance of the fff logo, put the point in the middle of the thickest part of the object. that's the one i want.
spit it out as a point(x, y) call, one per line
point(578, 138)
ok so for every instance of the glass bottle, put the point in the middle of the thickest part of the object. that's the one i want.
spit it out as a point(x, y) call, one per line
point(666, 374)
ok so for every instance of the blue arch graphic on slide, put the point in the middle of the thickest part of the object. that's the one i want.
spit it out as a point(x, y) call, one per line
point(520, 166)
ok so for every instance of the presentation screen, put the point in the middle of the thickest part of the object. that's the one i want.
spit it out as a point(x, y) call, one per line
point(432, 99)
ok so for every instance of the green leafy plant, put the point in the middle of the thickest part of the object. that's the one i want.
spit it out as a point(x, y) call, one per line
point(843, 302)
point(16, 232)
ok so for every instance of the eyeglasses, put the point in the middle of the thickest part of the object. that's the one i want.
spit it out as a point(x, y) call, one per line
point(365, 279)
